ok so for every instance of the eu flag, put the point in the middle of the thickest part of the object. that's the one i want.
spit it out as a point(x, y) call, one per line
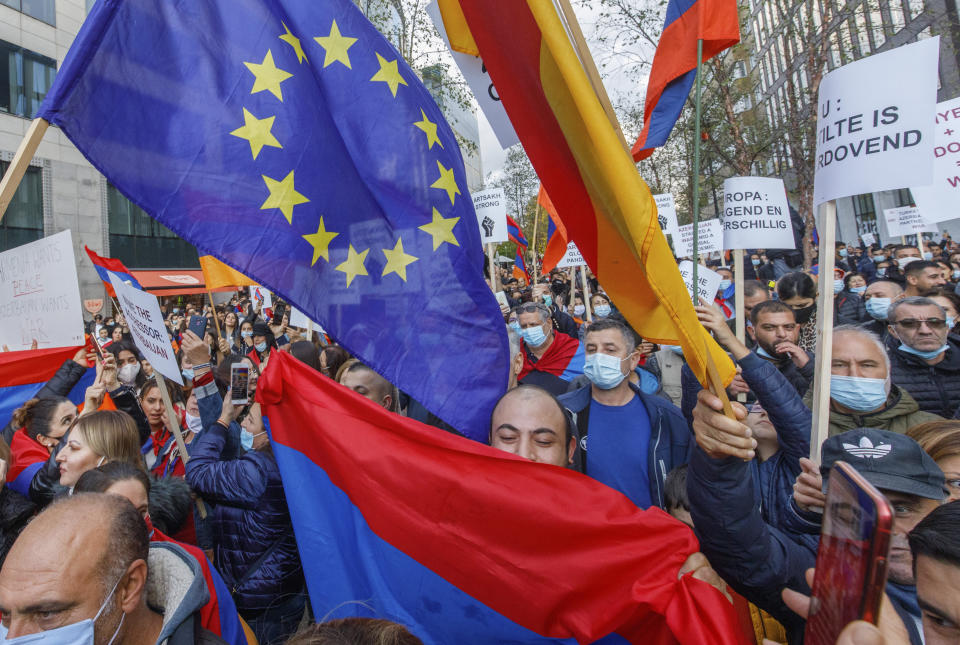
point(290, 140)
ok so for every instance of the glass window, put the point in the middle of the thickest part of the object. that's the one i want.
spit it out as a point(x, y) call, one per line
point(902, 197)
point(44, 10)
point(915, 7)
point(24, 219)
point(876, 28)
point(25, 78)
point(897, 19)
point(141, 242)
point(865, 213)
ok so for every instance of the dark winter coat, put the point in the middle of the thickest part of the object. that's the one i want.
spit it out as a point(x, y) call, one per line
point(936, 388)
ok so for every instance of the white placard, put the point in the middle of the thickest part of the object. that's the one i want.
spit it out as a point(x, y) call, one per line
point(868, 239)
point(40, 295)
point(756, 214)
point(708, 280)
point(940, 201)
point(666, 212)
point(491, 208)
point(572, 258)
point(477, 77)
point(299, 319)
point(892, 217)
point(874, 130)
point(912, 220)
point(261, 293)
point(711, 239)
point(142, 312)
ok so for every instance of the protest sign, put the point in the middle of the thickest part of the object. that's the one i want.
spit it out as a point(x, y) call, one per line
point(666, 213)
point(912, 220)
point(868, 238)
point(491, 208)
point(940, 201)
point(40, 295)
point(874, 130)
point(708, 280)
point(892, 217)
point(572, 258)
point(300, 320)
point(756, 214)
point(142, 312)
point(476, 75)
point(262, 295)
point(711, 239)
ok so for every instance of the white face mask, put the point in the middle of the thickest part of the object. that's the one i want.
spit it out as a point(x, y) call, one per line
point(128, 373)
point(194, 424)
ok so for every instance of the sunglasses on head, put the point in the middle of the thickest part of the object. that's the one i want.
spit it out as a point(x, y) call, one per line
point(912, 323)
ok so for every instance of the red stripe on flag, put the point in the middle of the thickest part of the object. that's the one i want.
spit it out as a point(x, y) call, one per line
point(33, 365)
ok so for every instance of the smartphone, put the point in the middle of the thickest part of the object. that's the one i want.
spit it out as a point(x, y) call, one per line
point(502, 299)
point(198, 325)
point(239, 380)
point(852, 557)
point(93, 346)
point(278, 313)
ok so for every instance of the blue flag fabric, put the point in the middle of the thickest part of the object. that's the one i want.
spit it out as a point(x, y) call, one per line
point(290, 140)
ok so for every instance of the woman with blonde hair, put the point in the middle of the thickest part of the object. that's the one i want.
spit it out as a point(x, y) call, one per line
point(941, 440)
point(97, 438)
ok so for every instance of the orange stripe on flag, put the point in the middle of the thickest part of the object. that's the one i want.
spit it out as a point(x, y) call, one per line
point(217, 275)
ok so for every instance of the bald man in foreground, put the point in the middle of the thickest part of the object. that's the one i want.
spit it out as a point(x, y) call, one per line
point(81, 579)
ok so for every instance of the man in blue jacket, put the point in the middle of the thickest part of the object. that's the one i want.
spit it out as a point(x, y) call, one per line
point(635, 439)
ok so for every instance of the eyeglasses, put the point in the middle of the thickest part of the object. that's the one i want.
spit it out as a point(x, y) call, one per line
point(530, 307)
point(935, 324)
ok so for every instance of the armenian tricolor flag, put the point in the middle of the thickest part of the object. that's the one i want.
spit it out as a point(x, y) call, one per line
point(515, 233)
point(556, 235)
point(605, 206)
point(106, 266)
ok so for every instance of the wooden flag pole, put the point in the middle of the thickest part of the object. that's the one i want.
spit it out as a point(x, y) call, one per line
point(20, 163)
point(494, 269)
point(216, 322)
point(696, 174)
point(741, 323)
point(533, 244)
point(587, 309)
point(174, 423)
point(824, 351)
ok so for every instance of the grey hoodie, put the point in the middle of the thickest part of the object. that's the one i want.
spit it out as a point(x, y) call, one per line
point(176, 589)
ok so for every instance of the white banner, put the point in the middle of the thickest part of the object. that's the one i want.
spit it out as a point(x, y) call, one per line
point(710, 240)
point(708, 280)
point(940, 201)
point(874, 130)
point(475, 73)
point(300, 320)
point(142, 312)
point(868, 238)
point(756, 214)
point(572, 258)
point(912, 220)
point(666, 212)
point(40, 295)
point(491, 208)
point(261, 293)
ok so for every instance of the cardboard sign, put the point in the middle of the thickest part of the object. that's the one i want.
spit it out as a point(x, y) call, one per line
point(572, 258)
point(666, 213)
point(868, 238)
point(912, 220)
point(261, 294)
point(142, 312)
point(756, 214)
point(491, 208)
point(708, 281)
point(940, 201)
point(874, 130)
point(710, 239)
point(477, 77)
point(40, 295)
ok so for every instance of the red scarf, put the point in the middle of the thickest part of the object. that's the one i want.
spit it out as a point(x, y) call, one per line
point(555, 360)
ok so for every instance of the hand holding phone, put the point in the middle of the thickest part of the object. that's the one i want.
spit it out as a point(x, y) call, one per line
point(239, 382)
point(198, 325)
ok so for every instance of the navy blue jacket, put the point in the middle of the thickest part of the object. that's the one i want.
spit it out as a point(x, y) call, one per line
point(250, 514)
point(670, 437)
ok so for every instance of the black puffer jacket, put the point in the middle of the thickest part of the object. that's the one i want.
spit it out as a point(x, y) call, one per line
point(848, 309)
point(936, 388)
point(249, 516)
point(15, 511)
point(60, 384)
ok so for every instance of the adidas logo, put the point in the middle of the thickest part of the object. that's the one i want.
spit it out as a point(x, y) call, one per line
point(866, 449)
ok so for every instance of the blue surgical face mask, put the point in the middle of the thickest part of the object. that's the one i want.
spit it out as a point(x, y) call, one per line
point(933, 353)
point(882, 273)
point(880, 257)
point(755, 262)
point(724, 285)
point(534, 336)
point(187, 373)
point(927, 255)
point(603, 370)
point(956, 274)
point(79, 633)
point(676, 349)
point(877, 307)
point(858, 393)
point(762, 352)
point(515, 326)
point(602, 311)
point(261, 346)
point(842, 253)
point(837, 286)
point(950, 322)
point(246, 438)
point(858, 290)
point(548, 300)
point(247, 334)
point(578, 310)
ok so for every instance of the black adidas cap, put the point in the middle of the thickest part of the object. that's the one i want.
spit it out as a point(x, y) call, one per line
point(888, 460)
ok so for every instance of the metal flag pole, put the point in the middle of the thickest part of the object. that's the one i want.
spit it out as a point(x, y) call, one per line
point(696, 174)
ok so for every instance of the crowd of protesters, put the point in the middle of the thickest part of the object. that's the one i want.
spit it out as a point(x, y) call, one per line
point(205, 549)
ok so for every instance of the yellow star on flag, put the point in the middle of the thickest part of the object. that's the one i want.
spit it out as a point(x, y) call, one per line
point(320, 241)
point(268, 76)
point(446, 182)
point(389, 74)
point(335, 45)
point(397, 260)
point(441, 228)
point(353, 266)
point(257, 132)
point(283, 196)
point(430, 129)
point(294, 42)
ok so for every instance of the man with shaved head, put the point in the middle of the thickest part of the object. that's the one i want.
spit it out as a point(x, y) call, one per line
point(530, 422)
point(79, 579)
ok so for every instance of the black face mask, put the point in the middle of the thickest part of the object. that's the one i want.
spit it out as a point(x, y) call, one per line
point(803, 315)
